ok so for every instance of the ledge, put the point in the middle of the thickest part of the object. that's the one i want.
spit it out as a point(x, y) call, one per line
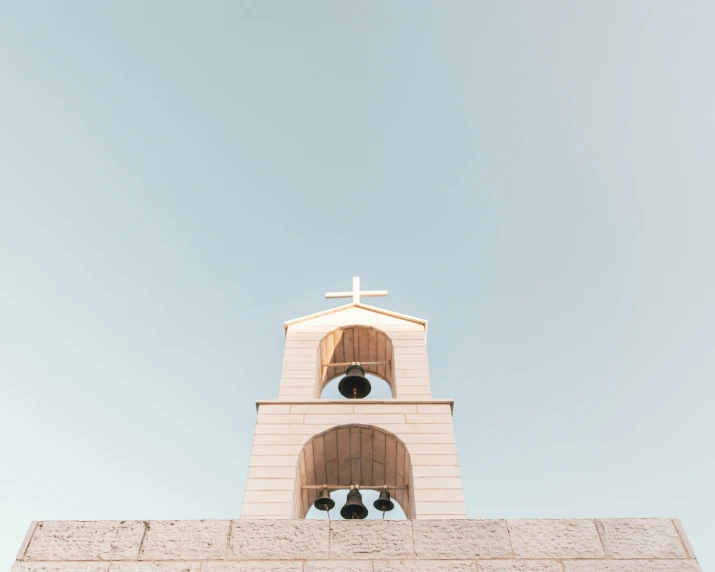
point(430, 401)
point(568, 545)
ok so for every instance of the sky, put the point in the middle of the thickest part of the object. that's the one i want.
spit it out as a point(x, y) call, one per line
point(534, 178)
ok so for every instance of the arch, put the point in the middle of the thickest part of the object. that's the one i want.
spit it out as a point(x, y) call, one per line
point(361, 344)
point(353, 455)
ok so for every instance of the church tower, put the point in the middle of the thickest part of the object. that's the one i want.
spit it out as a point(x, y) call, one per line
point(303, 443)
point(404, 446)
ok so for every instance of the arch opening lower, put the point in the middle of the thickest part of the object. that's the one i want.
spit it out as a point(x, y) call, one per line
point(349, 455)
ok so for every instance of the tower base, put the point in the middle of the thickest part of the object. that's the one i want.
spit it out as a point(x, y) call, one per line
point(578, 545)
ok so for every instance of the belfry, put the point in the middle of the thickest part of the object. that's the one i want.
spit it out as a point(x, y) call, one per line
point(400, 447)
point(404, 445)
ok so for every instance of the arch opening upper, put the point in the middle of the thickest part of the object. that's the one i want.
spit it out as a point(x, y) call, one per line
point(368, 346)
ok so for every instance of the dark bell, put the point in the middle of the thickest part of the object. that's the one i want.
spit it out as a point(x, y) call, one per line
point(324, 502)
point(354, 385)
point(383, 503)
point(353, 506)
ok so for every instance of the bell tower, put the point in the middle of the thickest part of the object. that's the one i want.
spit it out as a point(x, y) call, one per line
point(305, 446)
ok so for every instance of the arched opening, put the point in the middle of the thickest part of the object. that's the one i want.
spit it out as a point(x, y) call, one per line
point(354, 455)
point(369, 347)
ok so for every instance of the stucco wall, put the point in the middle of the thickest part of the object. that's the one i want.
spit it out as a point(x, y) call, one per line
point(617, 545)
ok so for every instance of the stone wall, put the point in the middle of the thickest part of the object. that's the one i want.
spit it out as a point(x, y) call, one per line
point(618, 545)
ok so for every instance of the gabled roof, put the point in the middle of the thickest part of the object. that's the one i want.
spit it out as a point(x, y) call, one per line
point(362, 306)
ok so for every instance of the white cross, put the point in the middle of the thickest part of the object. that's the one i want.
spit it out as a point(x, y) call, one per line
point(356, 293)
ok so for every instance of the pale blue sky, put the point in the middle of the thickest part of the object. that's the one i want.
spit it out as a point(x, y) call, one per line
point(535, 179)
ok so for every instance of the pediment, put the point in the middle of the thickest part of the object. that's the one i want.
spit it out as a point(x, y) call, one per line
point(357, 314)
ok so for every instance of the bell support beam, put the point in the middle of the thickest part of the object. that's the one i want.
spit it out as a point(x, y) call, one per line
point(357, 363)
point(365, 487)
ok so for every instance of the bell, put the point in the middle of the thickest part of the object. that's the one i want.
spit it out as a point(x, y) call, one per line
point(354, 385)
point(383, 503)
point(324, 502)
point(353, 506)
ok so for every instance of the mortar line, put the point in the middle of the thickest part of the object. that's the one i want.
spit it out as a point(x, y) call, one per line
point(508, 533)
point(141, 544)
point(603, 545)
point(228, 540)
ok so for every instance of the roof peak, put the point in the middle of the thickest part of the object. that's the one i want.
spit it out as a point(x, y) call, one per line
point(357, 305)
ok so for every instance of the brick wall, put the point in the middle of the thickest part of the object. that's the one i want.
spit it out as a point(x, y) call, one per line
point(618, 545)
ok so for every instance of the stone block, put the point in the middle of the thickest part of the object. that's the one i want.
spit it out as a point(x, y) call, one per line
point(519, 566)
point(298, 382)
point(436, 471)
point(279, 539)
point(425, 566)
point(185, 540)
point(322, 408)
point(371, 539)
point(272, 496)
point(631, 566)
point(461, 539)
point(86, 540)
point(437, 482)
point(339, 566)
point(60, 567)
point(276, 449)
point(418, 438)
point(280, 419)
point(269, 484)
point(434, 408)
point(439, 495)
point(425, 509)
point(433, 449)
point(434, 460)
point(386, 408)
point(280, 439)
point(555, 539)
point(442, 428)
point(266, 509)
point(276, 566)
point(271, 472)
point(360, 418)
point(429, 418)
point(155, 567)
point(640, 538)
point(274, 460)
point(273, 409)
